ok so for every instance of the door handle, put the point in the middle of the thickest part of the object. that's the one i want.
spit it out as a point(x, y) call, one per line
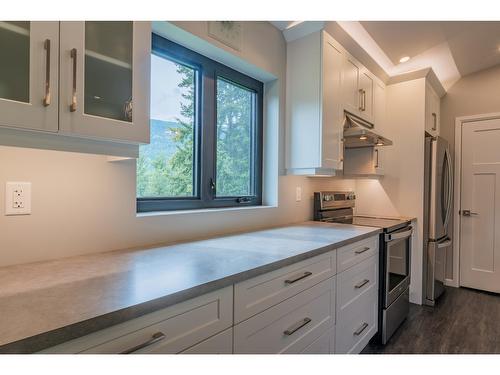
point(469, 213)
point(294, 328)
point(360, 99)
point(434, 119)
point(360, 330)
point(72, 107)
point(158, 336)
point(46, 98)
point(297, 278)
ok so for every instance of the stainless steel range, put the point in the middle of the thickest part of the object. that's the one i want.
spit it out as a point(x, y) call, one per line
point(395, 251)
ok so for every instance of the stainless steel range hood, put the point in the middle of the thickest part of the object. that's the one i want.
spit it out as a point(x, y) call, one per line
point(359, 133)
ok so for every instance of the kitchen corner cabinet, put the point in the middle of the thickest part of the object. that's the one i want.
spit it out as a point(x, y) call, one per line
point(84, 79)
point(29, 75)
point(314, 108)
point(432, 111)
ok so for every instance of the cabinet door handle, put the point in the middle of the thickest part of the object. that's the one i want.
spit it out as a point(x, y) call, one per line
point(297, 278)
point(360, 329)
point(360, 99)
point(72, 107)
point(361, 251)
point(364, 100)
point(376, 158)
point(295, 327)
point(434, 119)
point(361, 284)
point(46, 98)
point(158, 336)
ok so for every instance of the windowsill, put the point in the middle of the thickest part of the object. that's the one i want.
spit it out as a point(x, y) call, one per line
point(202, 210)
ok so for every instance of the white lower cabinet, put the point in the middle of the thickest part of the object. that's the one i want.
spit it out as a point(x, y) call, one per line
point(325, 344)
point(170, 330)
point(290, 326)
point(222, 343)
point(357, 306)
point(324, 304)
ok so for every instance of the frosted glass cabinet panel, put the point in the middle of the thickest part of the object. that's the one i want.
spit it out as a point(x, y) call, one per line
point(28, 74)
point(15, 65)
point(105, 80)
point(108, 69)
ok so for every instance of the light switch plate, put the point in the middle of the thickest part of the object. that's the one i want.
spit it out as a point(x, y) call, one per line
point(18, 198)
point(298, 194)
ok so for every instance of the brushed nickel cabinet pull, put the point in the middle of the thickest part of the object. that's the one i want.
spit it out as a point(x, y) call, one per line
point(360, 329)
point(46, 98)
point(72, 107)
point(361, 251)
point(434, 118)
point(295, 327)
point(158, 336)
point(297, 278)
point(362, 284)
point(360, 99)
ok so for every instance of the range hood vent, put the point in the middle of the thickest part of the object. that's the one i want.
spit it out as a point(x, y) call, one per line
point(359, 133)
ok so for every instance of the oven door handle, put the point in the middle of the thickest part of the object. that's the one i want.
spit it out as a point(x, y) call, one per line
point(398, 235)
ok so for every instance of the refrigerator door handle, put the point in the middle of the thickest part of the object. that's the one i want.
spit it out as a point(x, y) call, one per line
point(450, 188)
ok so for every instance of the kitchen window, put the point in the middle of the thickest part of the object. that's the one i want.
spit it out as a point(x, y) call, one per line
point(206, 134)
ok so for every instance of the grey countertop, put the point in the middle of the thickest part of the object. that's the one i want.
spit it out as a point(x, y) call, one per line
point(46, 303)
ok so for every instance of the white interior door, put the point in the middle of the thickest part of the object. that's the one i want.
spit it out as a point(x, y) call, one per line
point(480, 206)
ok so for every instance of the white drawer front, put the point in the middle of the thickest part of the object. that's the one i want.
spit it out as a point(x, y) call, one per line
point(261, 292)
point(183, 325)
point(290, 326)
point(325, 344)
point(356, 281)
point(357, 324)
point(221, 343)
point(348, 256)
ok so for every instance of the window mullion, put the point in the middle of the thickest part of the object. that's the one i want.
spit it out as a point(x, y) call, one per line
point(208, 134)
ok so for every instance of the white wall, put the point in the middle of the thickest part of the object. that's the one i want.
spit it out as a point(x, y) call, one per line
point(401, 191)
point(81, 203)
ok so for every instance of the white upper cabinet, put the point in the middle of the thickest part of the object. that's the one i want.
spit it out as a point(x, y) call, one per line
point(323, 81)
point(104, 80)
point(351, 72)
point(432, 110)
point(314, 105)
point(366, 86)
point(357, 88)
point(28, 75)
point(83, 79)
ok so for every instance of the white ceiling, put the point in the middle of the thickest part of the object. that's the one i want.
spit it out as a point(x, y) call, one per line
point(452, 48)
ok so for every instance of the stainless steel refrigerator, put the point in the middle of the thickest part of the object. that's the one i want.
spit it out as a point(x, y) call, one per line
point(438, 203)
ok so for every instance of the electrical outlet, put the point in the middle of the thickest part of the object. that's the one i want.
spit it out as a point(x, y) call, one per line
point(298, 194)
point(18, 198)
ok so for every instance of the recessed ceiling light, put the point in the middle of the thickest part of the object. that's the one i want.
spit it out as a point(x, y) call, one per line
point(404, 59)
point(363, 137)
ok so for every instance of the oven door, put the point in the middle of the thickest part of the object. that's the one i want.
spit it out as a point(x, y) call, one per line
point(397, 263)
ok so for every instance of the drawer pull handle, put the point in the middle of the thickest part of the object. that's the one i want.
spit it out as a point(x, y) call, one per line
point(297, 278)
point(360, 330)
point(361, 251)
point(158, 336)
point(362, 284)
point(294, 328)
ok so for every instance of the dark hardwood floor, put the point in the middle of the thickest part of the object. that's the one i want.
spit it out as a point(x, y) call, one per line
point(463, 321)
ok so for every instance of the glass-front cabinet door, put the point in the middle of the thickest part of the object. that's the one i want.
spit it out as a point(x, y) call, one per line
point(29, 75)
point(104, 76)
